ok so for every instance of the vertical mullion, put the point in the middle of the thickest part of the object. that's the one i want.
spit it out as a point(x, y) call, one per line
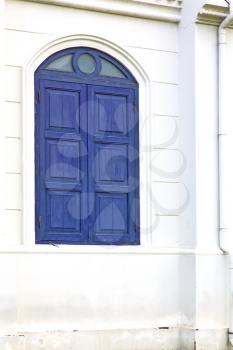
point(84, 160)
point(91, 165)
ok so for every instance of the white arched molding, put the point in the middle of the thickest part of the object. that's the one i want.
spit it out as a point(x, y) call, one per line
point(28, 161)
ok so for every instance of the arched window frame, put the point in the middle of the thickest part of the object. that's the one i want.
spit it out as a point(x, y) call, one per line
point(98, 55)
point(146, 220)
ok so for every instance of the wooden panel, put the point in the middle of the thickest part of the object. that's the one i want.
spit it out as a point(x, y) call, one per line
point(63, 160)
point(60, 157)
point(111, 114)
point(111, 213)
point(113, 165)
point(62, 109)
point(63, 211)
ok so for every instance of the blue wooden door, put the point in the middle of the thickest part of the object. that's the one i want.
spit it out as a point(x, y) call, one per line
point(61, 163)
point(87, 174)
point(113, 165)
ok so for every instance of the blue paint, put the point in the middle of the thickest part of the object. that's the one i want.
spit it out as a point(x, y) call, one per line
point(86, 151)
point(93, 54)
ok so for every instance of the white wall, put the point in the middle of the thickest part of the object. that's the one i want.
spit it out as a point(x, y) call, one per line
point(206, 298)
point(94, 291)
point(88, 291)
point(160, 285)
point(26, 34)
point(211, 270)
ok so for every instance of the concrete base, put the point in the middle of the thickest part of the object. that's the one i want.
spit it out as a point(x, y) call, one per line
point(143, 339)
point(204, 339)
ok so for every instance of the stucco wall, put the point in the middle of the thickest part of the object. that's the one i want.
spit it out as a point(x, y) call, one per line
point(26, 33)
point(161, 283)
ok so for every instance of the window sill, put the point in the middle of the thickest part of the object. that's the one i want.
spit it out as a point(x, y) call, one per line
point(137, 250)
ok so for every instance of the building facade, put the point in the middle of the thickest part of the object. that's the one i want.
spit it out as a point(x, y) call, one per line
point(165, 283)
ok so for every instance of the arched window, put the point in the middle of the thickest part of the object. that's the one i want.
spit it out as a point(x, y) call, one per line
point(86, 150)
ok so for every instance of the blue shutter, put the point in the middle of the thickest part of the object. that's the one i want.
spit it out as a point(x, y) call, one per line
point(87, 164)
point(61, 163)
point(113, 165)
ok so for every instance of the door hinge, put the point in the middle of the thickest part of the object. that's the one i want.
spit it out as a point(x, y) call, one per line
point(38, 97)
point(40, 221)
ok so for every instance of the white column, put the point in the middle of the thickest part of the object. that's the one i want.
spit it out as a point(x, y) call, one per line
point(2, 146)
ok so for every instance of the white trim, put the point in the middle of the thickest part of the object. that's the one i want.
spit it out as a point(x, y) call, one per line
point(140, 9)
point(29, 68)
point(2, 131)
point(62, 249)
point(212, 14)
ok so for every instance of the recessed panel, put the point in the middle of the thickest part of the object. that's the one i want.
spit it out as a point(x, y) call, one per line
point(111, 213)
point(111, 114)
point(111, 163)
point(63, 161)
point(63, 109)
point(63, 211)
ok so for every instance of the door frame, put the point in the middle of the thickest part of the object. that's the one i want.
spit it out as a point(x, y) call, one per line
point(146, 219)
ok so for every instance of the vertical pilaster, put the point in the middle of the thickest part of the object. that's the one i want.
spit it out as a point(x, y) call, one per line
point(203, 275)
point(2, 133)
